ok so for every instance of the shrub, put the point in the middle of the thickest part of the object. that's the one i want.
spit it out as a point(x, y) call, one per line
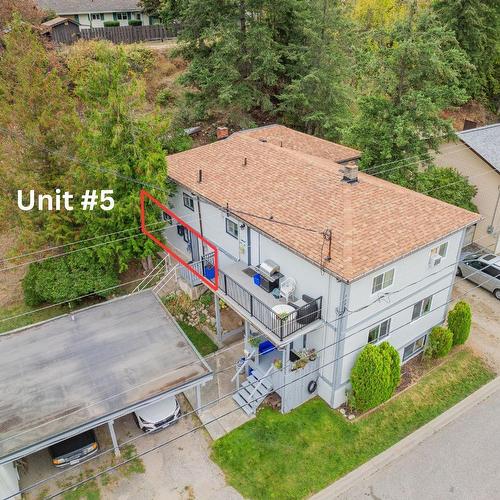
point(178, 143)
point(459, 322)
point(141, 59)
point(373, 377)
point(440, 342)
point(111, 24)
point(395, 363)
point(164, 96)
point(134, 22)
point(66, 278)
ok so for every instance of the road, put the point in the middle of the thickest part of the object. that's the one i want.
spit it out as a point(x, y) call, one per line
point(460, 461)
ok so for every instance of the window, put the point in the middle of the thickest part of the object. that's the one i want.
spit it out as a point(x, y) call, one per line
point(440, 250)
point(166, 217)
point(232, 228)
point(476, 264)
point(383, 281)
point(414, 348)
point(123, 16)
point(97, 17)
point(492, 271)
point(138, 16)
point(379, 332)
point(421, 308)
point(188, 201)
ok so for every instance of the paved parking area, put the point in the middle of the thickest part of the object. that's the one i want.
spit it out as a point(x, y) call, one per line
point(180, 470)
point(485, 334)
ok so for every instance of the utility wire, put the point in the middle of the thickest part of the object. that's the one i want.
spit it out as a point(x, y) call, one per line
point(165, 443)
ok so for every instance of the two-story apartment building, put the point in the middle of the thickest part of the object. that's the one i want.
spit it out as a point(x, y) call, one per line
point(94, 13)
point(317, 258)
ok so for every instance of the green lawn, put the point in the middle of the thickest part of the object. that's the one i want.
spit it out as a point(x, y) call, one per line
point(203, 343)
point(27, 319)
point(294, 455)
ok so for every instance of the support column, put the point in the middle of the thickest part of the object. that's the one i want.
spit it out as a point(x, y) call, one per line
point(113, 438)
point(198, 398)
point(284, 367)
point(218, 325)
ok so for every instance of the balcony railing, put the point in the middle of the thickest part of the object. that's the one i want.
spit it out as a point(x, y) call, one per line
point(281, 325)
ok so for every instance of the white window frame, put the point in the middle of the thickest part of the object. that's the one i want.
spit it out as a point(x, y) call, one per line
point(188, 201)
point(97, 17)
point(427, 301)
point(441, 250)
point(122, 16)
point(384, 282)
point(384, 326)
point(230, 221)
point(416, 351)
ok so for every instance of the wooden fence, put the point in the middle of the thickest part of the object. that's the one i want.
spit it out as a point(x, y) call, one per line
point(129, 34)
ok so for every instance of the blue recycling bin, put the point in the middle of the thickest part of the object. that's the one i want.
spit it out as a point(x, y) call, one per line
point(256, 279)
point(209, 272)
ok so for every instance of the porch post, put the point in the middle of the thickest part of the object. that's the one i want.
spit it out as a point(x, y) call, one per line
point(113, 438)
point(218, 325)
point(198, 398)
point(284, 360)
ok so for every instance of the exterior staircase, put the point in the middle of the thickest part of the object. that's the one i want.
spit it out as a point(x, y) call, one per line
point(253, 391)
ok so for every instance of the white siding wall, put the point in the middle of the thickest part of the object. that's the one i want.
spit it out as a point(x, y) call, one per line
point(86, 20)
point(9, 481)
point(398, 306)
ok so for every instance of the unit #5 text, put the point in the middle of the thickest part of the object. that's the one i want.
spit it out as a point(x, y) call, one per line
point(64, 201)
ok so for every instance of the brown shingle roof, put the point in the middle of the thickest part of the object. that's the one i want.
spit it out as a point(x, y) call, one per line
point(373, 222)
point(303, 143)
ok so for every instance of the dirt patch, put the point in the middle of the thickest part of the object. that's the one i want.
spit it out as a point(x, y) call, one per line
point(472, 111)
point(11, 292)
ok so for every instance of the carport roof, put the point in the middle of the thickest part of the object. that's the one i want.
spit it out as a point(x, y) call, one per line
point(74, 372)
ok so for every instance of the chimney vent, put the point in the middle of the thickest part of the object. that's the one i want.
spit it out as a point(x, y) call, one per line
point(222, 133)
point(350, 173)
point(200, 176)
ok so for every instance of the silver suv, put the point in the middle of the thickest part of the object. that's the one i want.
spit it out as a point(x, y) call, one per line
point(483, 269)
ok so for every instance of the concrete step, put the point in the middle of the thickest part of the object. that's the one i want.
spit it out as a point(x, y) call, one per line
point(248, 409)
point(266, 381)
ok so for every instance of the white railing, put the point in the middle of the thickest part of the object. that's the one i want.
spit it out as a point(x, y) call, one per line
point(240, 369)
point(150, 276)
point(271, 368)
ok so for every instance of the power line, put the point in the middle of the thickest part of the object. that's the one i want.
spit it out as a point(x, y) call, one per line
point(320, 350)
point(165, 443)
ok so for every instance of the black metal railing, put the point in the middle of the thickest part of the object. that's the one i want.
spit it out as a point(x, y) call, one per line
point(282, 325)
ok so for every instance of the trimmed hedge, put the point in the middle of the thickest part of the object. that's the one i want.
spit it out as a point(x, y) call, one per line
point(66, 278)
point(375, 376)
point(440, 342)
point(459, 322)
point(134, 22)
point(111, 24)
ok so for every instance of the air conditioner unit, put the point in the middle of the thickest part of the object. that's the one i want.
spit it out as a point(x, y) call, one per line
point(435, 260)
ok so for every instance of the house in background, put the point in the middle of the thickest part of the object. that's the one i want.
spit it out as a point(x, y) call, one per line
point(317, 258)
point(477, 155)
point(93, 13)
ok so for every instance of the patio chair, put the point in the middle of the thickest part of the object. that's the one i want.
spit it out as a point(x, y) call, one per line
point(287, 288)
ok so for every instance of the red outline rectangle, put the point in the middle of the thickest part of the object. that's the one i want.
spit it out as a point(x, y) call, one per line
point(206, 281)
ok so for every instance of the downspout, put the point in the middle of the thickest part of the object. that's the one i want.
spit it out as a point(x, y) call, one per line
point(201, 226)
point(340, 330)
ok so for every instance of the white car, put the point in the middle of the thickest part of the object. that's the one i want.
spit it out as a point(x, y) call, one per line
point(158, 415)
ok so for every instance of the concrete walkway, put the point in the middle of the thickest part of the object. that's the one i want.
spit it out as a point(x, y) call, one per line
point(456, 454)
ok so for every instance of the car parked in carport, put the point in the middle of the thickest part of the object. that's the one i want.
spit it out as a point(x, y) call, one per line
point(482, 269)
point(73, 450)
point(158, 415)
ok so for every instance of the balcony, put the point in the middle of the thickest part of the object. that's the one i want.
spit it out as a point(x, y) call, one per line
point(237, 288)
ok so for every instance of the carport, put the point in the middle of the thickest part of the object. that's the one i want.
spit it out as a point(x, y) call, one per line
point(75, 372)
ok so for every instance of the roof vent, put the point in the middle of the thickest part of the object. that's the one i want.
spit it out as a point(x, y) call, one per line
point(263, 139)
point(350, 173)
point(222, 133)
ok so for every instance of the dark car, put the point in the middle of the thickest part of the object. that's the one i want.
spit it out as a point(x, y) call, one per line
point(71, 451)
